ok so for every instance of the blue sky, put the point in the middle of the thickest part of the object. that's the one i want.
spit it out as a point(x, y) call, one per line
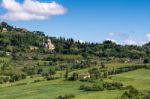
point(123, 21)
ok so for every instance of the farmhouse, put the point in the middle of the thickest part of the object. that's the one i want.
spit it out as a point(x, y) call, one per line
point(84, 76)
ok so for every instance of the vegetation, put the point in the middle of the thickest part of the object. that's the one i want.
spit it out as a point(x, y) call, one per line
point(66, 97)
point(72, 70)
point(101, 87)
point(133, 93)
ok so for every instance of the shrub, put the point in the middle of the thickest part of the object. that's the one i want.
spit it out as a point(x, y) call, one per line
point(17, 77)
point(128, 87)
point(20, 84)
point(131, 94)
point(90, 80)
point(45, 74)
point(94, 73)
point(66, 96)
point(50, 78)
point(146, 60)
point(37, 80)
point(147, 67)
point(1, 80)
point(102, 86)
point(4, 80)
point(112, 85)
point(93, 87)
point(147, 96)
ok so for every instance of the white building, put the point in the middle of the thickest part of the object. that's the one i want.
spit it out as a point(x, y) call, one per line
point(48, 44)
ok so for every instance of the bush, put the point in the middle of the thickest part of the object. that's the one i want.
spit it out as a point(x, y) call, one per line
point(66, 96)
point(113, 85)
point(147, 96)
point(128, 87)
point(45, 74)
point(90, 80)
point(1, 80)
point(4, 80)
point(101, 87)
point(94, 73)
point(50, 78)
point(93, 87)
point(131, 94)
point(37, 80)
point(146, 60)
point(147, 66)
point(17, 77)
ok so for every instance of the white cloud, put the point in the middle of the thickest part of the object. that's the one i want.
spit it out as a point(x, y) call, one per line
point(130, 41)
point(127, 39)
point(124, 38)
point(43, 8)
point(118, 34)
point(113, 34)
point(147, 37)
point(31, 10)
point(22, 16)
point(12, 5)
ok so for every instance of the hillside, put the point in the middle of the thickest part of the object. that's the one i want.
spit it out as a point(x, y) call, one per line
point(49, 65)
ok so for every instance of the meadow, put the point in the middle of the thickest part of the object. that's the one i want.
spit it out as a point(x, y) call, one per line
point(51, 89)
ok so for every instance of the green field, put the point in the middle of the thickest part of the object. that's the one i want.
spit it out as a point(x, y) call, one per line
point(51, 89)
point(140, 79)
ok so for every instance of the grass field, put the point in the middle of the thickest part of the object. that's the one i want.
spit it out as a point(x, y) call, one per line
point(51, 89)
point(139, 78)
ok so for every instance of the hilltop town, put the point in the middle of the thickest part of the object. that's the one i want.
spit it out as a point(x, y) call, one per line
point(5, 28)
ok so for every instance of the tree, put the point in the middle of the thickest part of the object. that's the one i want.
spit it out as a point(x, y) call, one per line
point(94, 73)
point(52, 72)
point(39, 71)
point(17, 77)
point(146, 60)
point(102, 65)
point(66, 74)
point(106, 74)
point(73, 77)
point(45, 63)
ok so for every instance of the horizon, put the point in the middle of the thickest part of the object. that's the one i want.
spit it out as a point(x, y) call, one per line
point(121, 21)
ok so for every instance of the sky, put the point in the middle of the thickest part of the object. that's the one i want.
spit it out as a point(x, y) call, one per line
point(122, 21)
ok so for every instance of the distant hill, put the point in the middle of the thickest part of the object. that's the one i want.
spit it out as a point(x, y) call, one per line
point(13, 39)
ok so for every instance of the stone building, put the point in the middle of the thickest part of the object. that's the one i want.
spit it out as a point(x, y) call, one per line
point(48, 44)
point(84, 76)
point(4, 30)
